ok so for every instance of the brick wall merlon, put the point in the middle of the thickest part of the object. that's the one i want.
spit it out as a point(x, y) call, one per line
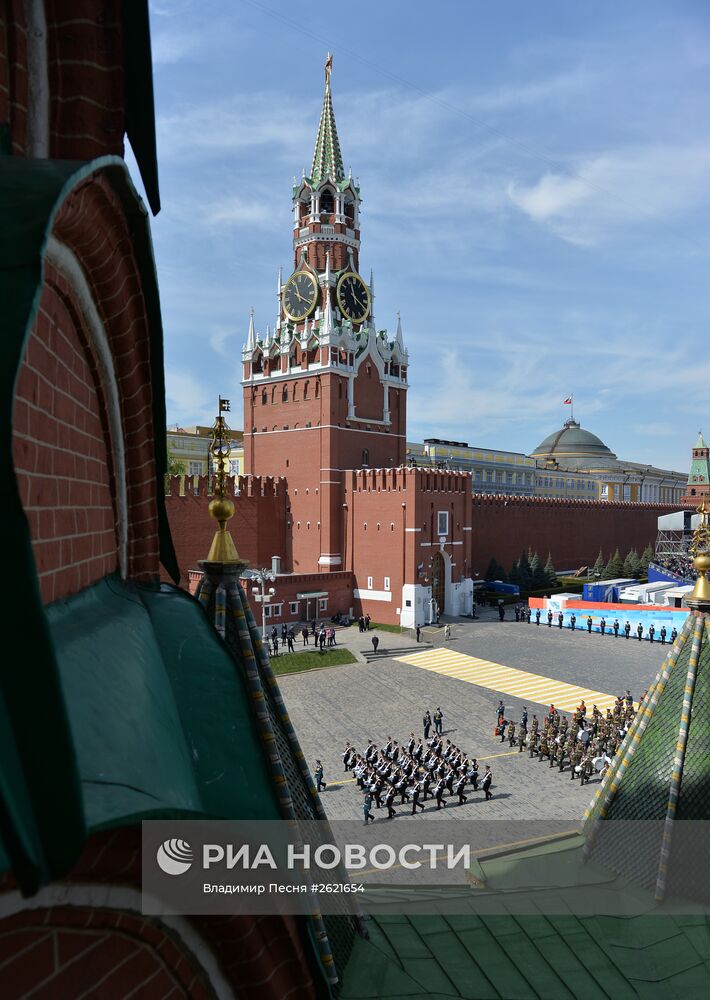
point(501, 500)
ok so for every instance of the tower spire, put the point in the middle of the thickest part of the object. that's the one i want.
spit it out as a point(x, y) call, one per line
point(327, 159)
point(251, 335)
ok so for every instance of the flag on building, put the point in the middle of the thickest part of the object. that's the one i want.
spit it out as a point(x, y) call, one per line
point(568, 401)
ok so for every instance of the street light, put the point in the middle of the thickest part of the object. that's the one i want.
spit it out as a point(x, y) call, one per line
point(261, 594)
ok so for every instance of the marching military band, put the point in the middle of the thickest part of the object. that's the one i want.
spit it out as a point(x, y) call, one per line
point(415, 771)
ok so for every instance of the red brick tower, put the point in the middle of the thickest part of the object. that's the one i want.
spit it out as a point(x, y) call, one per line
point(325, 391)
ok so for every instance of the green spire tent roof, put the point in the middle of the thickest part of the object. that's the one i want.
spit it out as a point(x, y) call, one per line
point(327, 159)
point(699, 467)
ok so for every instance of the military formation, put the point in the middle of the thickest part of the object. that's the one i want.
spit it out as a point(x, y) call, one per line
point(611, 627)
point(413, 772)
point(583, 745)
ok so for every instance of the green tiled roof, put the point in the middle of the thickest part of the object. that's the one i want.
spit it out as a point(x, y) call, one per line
point(540, 949)
point(661, 777)
point(327, 159)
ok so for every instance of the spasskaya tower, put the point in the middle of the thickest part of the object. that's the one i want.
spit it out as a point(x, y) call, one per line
point(325, 391)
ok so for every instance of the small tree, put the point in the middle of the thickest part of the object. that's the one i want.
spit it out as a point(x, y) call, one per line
point(495, 571)
point(598, 567)
point(645, 559)
point(524, 572)
point(176, 466)
point(514, 575)
point(614, 568)
point(550, 574)
point(632, 564)
point(537, 573)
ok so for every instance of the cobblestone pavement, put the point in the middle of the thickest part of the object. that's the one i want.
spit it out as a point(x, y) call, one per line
point(362, 701)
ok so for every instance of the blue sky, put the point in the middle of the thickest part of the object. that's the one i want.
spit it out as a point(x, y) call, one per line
point(536, 202)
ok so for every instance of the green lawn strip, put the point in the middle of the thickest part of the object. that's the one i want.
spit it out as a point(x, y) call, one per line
point(294, 663)
point(387, 628)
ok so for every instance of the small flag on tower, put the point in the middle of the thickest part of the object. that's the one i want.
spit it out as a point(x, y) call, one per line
point(223, 405)
point(568, 401)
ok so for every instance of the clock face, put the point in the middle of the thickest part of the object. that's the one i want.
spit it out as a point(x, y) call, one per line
point(300, 295)
point(353, 297)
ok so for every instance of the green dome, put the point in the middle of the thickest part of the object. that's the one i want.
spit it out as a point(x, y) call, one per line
point(574, 447)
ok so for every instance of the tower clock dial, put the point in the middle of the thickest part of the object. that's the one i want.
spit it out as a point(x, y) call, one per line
point(300, 295)
point(353, 297)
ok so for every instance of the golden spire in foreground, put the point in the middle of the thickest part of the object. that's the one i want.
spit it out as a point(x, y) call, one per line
point(221, 508)
point(699, 548)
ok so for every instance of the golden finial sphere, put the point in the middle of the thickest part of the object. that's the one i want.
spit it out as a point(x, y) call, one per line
point(221, 509)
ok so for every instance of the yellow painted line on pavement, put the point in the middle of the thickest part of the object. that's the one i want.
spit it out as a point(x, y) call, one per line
point(521, 684)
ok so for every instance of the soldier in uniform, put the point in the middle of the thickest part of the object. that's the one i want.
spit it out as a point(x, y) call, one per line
point(573, 621)
point(511, 733)
point(521, 740)
point(589, 624)
point(587, 767)
point(674, 634)
point(574, 760)
point(549, 619)
point(616, 628)
point(389, 799)
point(533, 742)
point(439, 794)
point(553, 751)
point(416, 792)
point(486, 783)
point(460, 786)
point(602, 626)
point(663, 635)
point(537, 617)
point(651, 632)
point(560, 619)
point(639, 631)
point(544, 748)
point(627, 629)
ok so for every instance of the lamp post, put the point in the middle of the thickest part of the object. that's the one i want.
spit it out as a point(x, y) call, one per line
point(262, 577)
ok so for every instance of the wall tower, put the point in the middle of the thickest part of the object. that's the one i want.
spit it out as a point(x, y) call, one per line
point(324, 391)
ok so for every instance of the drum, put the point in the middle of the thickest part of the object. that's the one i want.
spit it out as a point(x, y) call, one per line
point(598, 763)
point(583, 737)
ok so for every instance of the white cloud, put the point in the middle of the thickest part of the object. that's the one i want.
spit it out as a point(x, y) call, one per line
point(622, 188)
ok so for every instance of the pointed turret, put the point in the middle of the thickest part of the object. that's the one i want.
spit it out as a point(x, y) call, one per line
point(328, 326)
point(250, 344)
point(399, 340)
point(327, 159)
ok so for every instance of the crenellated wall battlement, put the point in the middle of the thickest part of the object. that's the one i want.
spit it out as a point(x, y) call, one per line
point(203, 486)
point(503, 500)
point(408, 478)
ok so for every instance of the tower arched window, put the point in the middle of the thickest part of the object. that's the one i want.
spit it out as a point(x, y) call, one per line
point(264, 397)
point(365, 458)
point(326, 203)
point(317, 389)
point(284, 394)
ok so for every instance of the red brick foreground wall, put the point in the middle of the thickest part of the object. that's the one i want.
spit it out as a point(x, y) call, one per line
point(573, 531)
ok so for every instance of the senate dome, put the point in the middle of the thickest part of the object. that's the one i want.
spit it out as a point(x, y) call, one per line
point(574, 448)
